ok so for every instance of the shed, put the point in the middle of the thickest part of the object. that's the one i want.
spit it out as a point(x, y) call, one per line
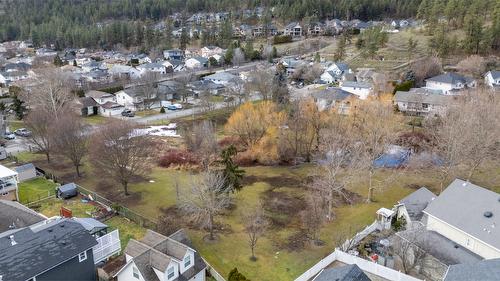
point(93, 226)
point(67, 191)
point(26, 172)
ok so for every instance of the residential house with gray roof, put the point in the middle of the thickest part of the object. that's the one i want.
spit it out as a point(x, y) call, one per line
point(293, 29)
point(450, 83)
point(412, 206)
point(15, 215)
point(360, 89)
point(468, 215)
point(486, 270)
point(350, 272)
point(160, 258)
point(334, 98)
point(492, 79)
point(421, 101)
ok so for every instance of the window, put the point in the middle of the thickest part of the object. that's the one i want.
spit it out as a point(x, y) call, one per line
point(82, 256)
point(135, 272)
point(187, 261)
point(170, 273)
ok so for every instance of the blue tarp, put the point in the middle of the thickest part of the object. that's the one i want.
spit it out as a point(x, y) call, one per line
point(393, 159)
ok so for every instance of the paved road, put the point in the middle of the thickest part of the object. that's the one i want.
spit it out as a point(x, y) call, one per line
point(17, 145)
point(175, 114)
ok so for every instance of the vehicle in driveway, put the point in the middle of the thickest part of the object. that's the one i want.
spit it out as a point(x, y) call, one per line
point(23, 132)
point(10, 136)
point(128, 113)
point(175, 106)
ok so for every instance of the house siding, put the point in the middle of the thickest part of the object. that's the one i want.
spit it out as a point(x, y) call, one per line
point(127, 274)
point(199, 277)
point(72, 270)
point(467, 241)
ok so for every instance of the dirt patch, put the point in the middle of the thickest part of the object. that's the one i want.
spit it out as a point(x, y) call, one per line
point(296, 241)
point(281, 208)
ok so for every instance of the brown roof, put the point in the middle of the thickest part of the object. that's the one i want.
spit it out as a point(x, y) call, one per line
point(135, 248)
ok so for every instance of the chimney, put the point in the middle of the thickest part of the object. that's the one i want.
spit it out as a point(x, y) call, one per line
point(12, 241)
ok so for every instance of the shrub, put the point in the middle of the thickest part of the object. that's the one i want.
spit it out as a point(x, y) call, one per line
point(280, 39)
point(162, 109)
point(405, 86)
point(245, 159)
point(177, 157)
point(228, 141)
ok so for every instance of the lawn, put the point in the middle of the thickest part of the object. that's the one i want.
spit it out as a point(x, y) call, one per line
point(15, 124)
point(35, 189)
point(95, 119)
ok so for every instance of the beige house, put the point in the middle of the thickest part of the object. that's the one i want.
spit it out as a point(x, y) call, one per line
point(468, 215)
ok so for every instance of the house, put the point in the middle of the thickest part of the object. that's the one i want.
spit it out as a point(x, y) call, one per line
point(196, 62)
point(468, 215)
point(44, 52)
point(293, 29)
point(291, 64)
point(124, 71)
point(492, 79)
point(100, 97)
point(173, 54)
point(316, 29)
point(223, 78)
point(209, 51)
point(412, 206)
point(160, 258)
point(168, 90)
point(174, 65)
point(335, 72)
point(264, 30)
point(87, 106)
point(26, 172)
point(92, 66)
point(49, 250)
point(16, 215)
point(12, 76)
point(486, 270)
point(419, 101)
point(8, 184)
point(152, 68)
point(206, 87)
point(450, 83)
point(110, 109)
point(349, 272)
point(334, 98)
point(134, 98)
point(334, 26)
point(96, 76)
point(360, 89)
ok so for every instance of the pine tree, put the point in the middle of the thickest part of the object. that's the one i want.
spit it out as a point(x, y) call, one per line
point(232, 172)
point(340, 50)
point(473, 33)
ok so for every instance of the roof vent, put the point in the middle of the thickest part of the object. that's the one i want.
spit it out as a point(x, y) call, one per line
point(488, 214)
point(12, 241)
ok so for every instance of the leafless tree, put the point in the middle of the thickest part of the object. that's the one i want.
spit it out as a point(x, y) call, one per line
point(202, 141)
point(206, 101)
point(343, 156)
point(238, 57)
point(71, 139)
point(238, 90)
point(425, 68)
point(52, 94)
point(205, 199)
point(261, 81)
point(184, 79)
point(40, 123)
point(474, 65)
point(148, 89)
point(255, 226)
point(313, 217)
point(377, 128)
point(120, 154)
point(410, 248)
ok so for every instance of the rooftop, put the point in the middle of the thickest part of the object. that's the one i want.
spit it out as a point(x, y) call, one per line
point(16, 215)
point(451, 78)
point(486, 270)
point(417, 201)
point(350, 272)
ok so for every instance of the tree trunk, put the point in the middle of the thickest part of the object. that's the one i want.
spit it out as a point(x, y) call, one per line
point(77, 167)
point(253, 253)
point(370, 187)
point(211, 226)
point(125, 187)
point(330, 199)
point(47, 154)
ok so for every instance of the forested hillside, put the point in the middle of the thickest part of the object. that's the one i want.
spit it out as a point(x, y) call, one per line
point(75, 22)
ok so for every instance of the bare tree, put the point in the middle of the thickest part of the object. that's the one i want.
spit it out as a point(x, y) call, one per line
point(206, 102)
point(148, 89)
point(238, 57)
point(473, 65)
point(425, 68)
point(410, 248)
point(40, 123)
point(255, 226)
point(120, 154)
point(52, 94)
point(238, 89)
point(184, 79)
point(261, 81)
point(313, 217)
point(205, 199)
point(377, 128)
point(202, 141)
point(71, 139)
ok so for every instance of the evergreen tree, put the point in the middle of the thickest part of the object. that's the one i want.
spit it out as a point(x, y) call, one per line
point(473, 32)
point(228, 56)
point(234, 275)
point(340, 49)
point(184, 40)
point(249, 50)
point(232, 172)
point(18, 107)
point(58, 61)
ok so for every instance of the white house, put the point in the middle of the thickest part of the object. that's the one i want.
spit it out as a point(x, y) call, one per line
point(468, 215)
point(450, 83)
point(101, 97)
point(223, 78)
point(492, 78)
point(110, 109)
point(360, 89)
point(196, 62)
point(152, 68)
point(134, 98)
point(335, 72)
point(124, 71)
point(293, 29)
point(209, 51)
point(8, 184)
point(158, 257)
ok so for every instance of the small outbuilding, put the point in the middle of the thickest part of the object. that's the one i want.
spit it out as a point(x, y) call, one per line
point(67, 191)
point(26, 172)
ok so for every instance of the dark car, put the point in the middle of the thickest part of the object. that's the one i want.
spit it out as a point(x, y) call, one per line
point(128, 113)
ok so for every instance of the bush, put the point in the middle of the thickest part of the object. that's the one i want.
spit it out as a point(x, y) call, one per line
point(162, 109)
point(245, 159)
point(177, 157)
point(228, 141)
point(112, 90)
point(405, 86)
point(234, 275)
point(280, 39)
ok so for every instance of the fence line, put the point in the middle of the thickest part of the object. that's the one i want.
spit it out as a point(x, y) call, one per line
point(216, 275)
point(365, 265)
point(29, 204)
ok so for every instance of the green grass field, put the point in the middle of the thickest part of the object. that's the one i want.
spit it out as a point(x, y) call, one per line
point(35, 189)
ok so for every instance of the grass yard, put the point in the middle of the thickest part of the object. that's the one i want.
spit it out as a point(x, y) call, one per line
point(35, 189)
point(15, 124)
point(95, 119)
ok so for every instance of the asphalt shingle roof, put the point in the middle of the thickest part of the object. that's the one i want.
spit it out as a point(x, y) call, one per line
point(463, 206)
point(16, 215)
point(451, 78)
point(350, 272)
point(486, 270)
point(42, 248)
point(417, 201)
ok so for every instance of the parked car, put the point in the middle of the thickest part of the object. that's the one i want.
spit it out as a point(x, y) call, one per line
point(10, 136)
point(171, 107)
point(128, 113)
point(23, 132)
